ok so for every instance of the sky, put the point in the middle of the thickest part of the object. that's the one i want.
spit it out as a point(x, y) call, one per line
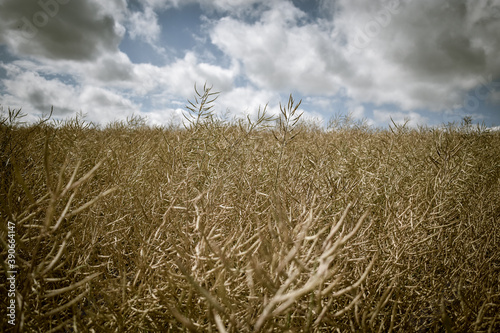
point(424, 62)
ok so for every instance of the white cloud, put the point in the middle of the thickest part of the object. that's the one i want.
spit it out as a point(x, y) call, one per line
point(322, 103)
point(104, 106)
point(244, 101)
point(108, 86)
point(167, 116)
point(36, 95)
point(145, 25)
point(358, 112)
point(279, 54)
point(111, 68)
point(235, 7)
point(165, 4)
point(179, 78)
point(247, 101)
point(412, 119)
point(312, 117)
point(414, 55)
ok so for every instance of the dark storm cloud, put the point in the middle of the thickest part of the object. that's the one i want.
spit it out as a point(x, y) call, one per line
point(444, 38)
point(448, 53)
point(58, 29)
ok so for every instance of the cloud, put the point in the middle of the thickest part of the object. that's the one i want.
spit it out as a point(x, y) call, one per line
point(247, 101)
point(179, 77)
point(106, 88)
point(494, 97)
point(36, 95)
point(62, 29)
point(166, 116)
point(243, 101)
point(358, 112)
point(399, 55)
point(280, 52)
point(418, 53)
point(105, 106)
point(225, 6)
point(411, 119)
point(423, 54)
point(144, 25)
point(323, 103)
point(109, 68)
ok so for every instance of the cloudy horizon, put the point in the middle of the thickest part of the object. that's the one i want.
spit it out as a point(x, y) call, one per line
point(429, 62)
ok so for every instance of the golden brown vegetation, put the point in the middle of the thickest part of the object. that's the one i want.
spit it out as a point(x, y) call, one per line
point(239, 227)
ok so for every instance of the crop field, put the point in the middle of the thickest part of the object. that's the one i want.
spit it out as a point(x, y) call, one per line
point(260, 225)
